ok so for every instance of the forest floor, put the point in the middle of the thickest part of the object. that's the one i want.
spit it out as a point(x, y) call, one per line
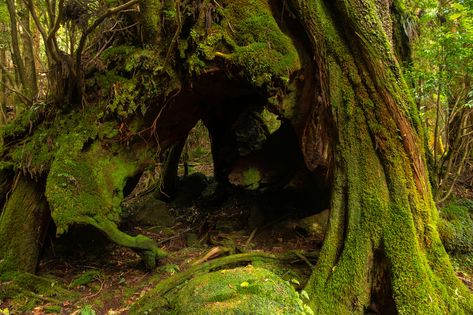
point(104, 278)
point(108, 278)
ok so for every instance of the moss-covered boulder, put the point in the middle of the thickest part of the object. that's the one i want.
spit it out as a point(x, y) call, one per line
point(316, 225)
point(148, 211)
point(246, 290)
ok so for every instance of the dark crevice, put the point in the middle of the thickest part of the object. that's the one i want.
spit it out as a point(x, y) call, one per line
point(131, 183)
point(382, 301)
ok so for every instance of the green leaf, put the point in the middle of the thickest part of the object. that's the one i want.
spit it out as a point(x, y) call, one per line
point(295, 281)
point(87, 310)
point(304, 295)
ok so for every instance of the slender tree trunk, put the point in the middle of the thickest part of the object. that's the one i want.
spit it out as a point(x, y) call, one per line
point(16, 53)
point(31, 85)
point(382, 231)
point(3, 87)
point(150, 19)
point(23, 225)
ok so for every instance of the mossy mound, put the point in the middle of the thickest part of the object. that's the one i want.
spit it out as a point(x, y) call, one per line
point(456, 227)
point(245, 290)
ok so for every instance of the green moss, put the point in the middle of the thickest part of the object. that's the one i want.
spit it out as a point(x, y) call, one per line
point(161, 299)
point(150, 17)
point(134, 77)
point(85, 278)
point(379, 203)
point(22, 124)
point(26, 291)
point(86, 184)
point(248, 38)
point(251, 178)
point(247, 290)
point(22, 224)
point(35, 153)
point(271, 121)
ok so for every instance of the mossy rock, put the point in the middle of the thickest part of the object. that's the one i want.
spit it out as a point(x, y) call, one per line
point(245, 290)
point(456, 227)
point(316, 225)
point(189, 189)
point(149, 211)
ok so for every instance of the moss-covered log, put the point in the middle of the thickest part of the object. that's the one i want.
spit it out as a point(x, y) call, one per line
point(23, 226)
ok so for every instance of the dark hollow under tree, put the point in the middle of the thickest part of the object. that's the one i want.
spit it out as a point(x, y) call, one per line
point(330, 69)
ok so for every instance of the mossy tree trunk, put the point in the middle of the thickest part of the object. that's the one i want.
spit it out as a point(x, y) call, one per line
point(382, 247)
point(23, 226)
point(3, 88)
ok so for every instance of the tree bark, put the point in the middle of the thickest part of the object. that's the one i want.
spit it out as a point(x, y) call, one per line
point(381, 199)
point(30, 84)
point(23, 225)
point(16, 53)
point(3, 87)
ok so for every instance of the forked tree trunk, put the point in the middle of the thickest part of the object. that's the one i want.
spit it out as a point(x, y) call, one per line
point(23, 224)
point(382, 247)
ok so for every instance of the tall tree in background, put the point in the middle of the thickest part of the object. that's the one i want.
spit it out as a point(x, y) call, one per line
point(31, 84)
point(4, 39)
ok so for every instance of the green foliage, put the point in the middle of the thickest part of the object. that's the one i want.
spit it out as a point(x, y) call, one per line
point(4, 28)
point(36, 151)
point(85, 278)
point(246, 36)
point(456, 227)
point(22, 124)
point(443, 53)
point(25, 291)
point(135, 76)
point(87, 310)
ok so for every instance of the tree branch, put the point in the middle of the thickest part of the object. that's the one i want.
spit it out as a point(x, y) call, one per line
point(97, 22)
point(24, 98)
